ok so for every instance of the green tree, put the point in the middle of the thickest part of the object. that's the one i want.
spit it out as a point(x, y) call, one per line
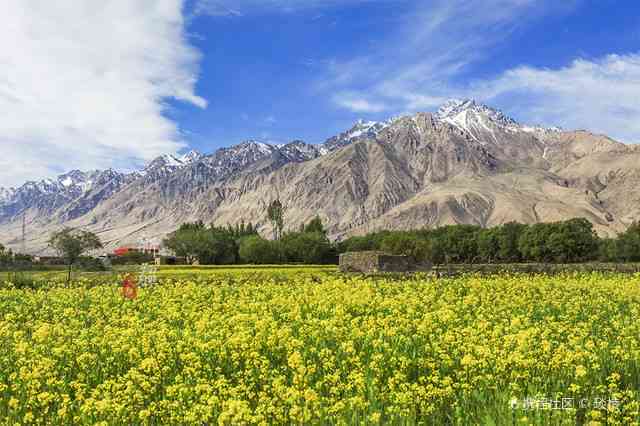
point(609, 250)
point(456, 243)
point(210, 245)
point(315, 225)
point(311, 248)
point(569, 241)
point(371, 241)
point(629, 244)
point(185, 242)
point(508, 237)
point(533, 243)
point(275, 213)
point(573, 240)
point(407, 244)
point(71, 244)
point(489, 245)
point(258, 251)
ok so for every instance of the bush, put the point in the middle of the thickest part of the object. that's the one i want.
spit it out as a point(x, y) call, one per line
point(312, 248)
point(91, 264)
point(629, 244)
point(408, 244)
point(132, 258)
point(258, 251)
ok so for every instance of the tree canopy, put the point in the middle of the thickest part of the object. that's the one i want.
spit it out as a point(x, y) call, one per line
point(71, 244)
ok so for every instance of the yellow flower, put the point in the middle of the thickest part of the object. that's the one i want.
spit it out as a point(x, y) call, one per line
point(14, 403)
point(248, 346)
point(581, 371)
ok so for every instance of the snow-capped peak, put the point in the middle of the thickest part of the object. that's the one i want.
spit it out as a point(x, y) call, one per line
point(465, 112)
point(361, 129)
point(190, 157)
point(74, 180)
point(474, 117)
point(164, 161)
point(171, 160)
point(254, 145)
point(298, 151)
point(370, 128)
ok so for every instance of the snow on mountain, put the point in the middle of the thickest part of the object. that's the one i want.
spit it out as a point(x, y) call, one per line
point(473, 117)
point(298, 151)
point(481, 122)
point(75, 191)
point(73, 182)
point(163, 161)
point(191, 157)
point(171, 161)
point(226, 161)
point(361, 130)
point(470, 116)
point(243, 153)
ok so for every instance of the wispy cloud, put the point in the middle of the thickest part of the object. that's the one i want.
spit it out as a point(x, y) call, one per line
point(215, 8)
point(356, 103)
point(84, 85)
point(431, 58)
point(438, 41)
point(246, 7)
point(600, 95)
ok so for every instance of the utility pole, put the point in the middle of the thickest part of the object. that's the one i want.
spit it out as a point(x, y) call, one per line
point(24, 232)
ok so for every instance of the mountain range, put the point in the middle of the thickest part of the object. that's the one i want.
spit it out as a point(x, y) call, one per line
point(465, 163)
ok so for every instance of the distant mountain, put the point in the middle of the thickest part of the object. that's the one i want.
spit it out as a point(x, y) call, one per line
point(465, 163)
point(362, 130)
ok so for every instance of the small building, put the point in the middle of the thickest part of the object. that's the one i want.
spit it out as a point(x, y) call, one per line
point(123, 251)
point(371, 262)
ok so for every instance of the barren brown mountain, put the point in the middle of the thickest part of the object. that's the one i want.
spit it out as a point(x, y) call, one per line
point(467, 163)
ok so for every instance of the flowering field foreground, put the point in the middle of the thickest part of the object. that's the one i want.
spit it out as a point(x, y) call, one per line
point(248, 348)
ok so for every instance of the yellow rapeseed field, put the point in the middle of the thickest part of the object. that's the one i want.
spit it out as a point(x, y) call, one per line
point(251, 347)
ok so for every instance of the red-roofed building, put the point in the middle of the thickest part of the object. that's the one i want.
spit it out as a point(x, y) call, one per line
point(121, 251)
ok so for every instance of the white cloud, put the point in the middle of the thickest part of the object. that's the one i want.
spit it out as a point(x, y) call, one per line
point(83, 84)
point(357, 103)
point(598, 95)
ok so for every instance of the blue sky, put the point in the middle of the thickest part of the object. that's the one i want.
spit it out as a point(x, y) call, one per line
point(131, 79)
point(289, 70)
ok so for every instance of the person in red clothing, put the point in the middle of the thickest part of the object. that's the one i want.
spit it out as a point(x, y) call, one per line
point(129, 287)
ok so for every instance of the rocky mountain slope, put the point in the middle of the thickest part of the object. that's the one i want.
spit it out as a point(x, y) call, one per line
point(465, 163)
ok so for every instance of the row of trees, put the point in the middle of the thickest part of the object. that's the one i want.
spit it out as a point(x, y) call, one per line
point(209, 244)
point(242, 244)
point(559, 242)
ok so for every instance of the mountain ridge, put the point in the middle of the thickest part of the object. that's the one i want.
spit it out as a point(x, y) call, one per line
point(465, 163)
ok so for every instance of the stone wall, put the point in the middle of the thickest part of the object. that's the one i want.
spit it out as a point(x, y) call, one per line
point(390, 263)
point(371, 262)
